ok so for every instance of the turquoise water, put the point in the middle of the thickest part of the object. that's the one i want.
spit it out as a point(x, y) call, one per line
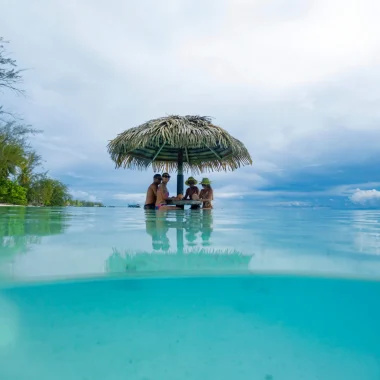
point(234, 294)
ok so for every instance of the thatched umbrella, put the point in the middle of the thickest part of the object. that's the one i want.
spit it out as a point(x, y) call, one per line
point(178, 143)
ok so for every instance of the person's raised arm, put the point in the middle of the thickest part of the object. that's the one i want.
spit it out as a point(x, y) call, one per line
point(187, 196)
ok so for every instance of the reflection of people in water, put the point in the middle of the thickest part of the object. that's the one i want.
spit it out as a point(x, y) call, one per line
point(206, 227)
point(162, 229)
point(191, 234)
point(157, 228)
point(150, 228)
point(195, 225)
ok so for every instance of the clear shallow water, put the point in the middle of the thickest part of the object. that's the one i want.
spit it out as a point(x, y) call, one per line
point(75, 242)
point(165, 305)
point(260, 327)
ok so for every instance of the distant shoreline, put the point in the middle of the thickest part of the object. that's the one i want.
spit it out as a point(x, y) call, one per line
point(9, 205)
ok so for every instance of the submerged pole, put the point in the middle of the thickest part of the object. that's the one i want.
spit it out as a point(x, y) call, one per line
point(180, 172)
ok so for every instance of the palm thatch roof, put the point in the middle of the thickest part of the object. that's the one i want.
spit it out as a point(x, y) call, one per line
point(204, 146)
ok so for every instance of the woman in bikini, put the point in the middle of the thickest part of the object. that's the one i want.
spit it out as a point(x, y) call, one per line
point(192, 192)
point(207, 194)
point(192, 189)
point(163, 195)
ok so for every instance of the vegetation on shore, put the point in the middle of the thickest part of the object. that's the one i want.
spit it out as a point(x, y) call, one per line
point(77, 203)
point(20, 181)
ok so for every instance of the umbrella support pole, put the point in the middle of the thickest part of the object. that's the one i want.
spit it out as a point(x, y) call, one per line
point(179, 220)
point(180, 172)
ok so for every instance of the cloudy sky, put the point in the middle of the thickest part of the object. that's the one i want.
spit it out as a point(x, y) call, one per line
point(296, 80)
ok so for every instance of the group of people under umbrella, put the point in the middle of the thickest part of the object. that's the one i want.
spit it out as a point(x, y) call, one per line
point(157, 195)
point(178, 143)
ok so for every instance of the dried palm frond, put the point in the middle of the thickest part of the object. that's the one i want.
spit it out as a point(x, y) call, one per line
point(203, 145)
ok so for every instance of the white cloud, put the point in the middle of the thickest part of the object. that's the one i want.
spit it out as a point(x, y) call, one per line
point(297, 81)
point(276, 46)
point(341, 190)
point(136, 197)
point(292, 204)
point(78, 176)
point(224, 195)
point(83, 196)
point(366, 197)
point(59, 150)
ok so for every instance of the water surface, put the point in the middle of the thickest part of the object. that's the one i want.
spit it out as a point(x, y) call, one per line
point(267, 294)
point(75, 242)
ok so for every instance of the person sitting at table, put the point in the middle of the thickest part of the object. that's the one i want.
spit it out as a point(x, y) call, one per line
point(192, 189)
point(192, 192)
point(163, 195)
point(151, 194)
point(207, 194)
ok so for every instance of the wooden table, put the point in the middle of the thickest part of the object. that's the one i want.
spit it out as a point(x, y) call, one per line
point(182, 204)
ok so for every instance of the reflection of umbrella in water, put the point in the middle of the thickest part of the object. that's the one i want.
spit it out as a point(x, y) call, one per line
point(178, 143)
point(183, 259)
point(196, 259)
point(206, 227)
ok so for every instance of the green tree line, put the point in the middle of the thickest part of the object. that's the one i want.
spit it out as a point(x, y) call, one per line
point(78, 203)
point(20, 181)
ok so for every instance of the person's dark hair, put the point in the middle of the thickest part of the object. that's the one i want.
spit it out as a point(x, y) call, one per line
point(157, 176)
